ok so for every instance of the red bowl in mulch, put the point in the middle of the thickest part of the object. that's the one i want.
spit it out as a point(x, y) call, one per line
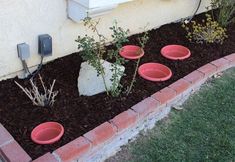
point(47, 133)
point(155, 72)
point(131, 52)
point(175, 52)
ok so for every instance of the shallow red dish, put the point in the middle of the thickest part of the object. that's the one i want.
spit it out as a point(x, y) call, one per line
point(47, 133)
point(175, 52)
point(131, 52)
point(155, 72)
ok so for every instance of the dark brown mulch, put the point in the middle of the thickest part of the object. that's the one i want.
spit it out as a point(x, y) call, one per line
point(79, 114)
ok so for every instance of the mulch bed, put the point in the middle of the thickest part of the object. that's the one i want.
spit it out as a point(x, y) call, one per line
point(79, 114)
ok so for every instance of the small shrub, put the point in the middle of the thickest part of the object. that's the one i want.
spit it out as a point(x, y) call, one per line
point(40, 99)
point(226, 11)
point(93, 52)
point(119, 37)
point(208, 31)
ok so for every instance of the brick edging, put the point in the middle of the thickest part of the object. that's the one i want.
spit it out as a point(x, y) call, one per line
point(10, 150)
point(106, 139)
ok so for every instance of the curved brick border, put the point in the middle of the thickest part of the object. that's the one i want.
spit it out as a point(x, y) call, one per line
point(106, 139)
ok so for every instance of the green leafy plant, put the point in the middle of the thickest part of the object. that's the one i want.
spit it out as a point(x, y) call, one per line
point(226, 11)
point(208, 31)
point(119, 37)
point(93, 51)
point(142, 41)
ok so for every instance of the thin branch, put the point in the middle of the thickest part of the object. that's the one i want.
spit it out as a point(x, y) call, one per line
point(46, 99)
point(43, 85)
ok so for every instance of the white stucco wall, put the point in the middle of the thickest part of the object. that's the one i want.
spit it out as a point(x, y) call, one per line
point(23, 20)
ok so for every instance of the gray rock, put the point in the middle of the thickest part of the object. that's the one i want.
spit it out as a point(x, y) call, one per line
point(89, 83)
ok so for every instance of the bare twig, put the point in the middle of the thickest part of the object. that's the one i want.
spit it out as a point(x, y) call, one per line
point(40, 99)
point(43, 85)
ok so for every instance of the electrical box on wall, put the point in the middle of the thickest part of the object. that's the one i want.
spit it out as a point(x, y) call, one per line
point(79, 9)
point(45, 45)
point(23, 51)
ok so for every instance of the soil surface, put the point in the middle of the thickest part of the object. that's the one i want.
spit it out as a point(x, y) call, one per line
point(80, 114)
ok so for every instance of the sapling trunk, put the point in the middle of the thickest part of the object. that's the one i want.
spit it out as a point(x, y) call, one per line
point(143, 40)
point(100, 56)
point(103, 77)
point(133, 78)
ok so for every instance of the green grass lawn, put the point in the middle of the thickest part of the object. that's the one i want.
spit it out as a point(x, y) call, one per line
point(203, 131)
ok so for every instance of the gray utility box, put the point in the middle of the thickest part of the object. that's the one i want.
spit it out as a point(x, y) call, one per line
point(23, 51)
point(45, 45)
point(79, 9)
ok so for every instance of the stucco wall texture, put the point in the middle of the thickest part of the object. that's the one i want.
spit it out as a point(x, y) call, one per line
point(23, 20)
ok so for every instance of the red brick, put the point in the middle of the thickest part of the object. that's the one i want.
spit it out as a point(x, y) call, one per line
point(180, 86)
point(125, 120)
point(231, 58)
point(146, 106)
point(73, 149)
point(48, 157)
point(220, 63)
point(207, 69)
point(194, 77)
point(5, 136)
point(165, 95)
point(14, 153)
point(101, 134)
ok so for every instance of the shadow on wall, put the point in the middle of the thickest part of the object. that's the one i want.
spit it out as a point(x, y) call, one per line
point(3, 71)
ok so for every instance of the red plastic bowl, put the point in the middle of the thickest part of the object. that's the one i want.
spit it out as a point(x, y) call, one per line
point(175, 52)
point(154, 72)
point(47, 133)
point(131, 52)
